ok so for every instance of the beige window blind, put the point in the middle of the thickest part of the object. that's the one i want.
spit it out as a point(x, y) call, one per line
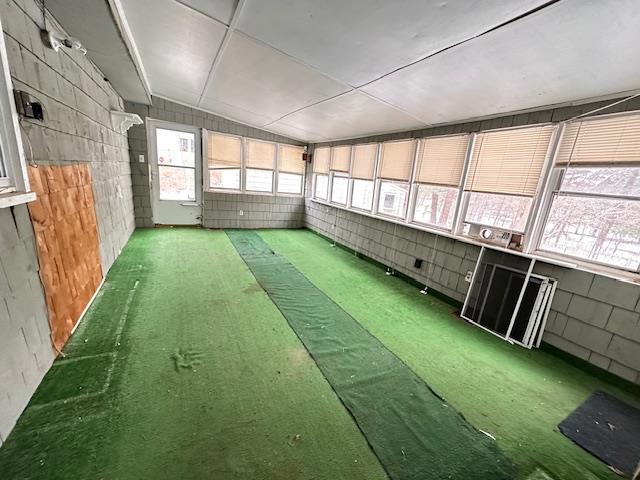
point(363, 166)
point(396, 160)
point(509, 161)
point(223, 151)
point(601, 141)
point(341, 158)
point(290, 159)
point(441, 160)
point(260, 154)
point(321, 158)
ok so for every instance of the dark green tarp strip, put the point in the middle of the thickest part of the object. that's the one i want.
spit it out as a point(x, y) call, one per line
point(413, 432)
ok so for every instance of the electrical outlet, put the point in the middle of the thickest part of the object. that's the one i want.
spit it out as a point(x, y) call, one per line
point(241, 212)
point(467, 277)
point(141, 158)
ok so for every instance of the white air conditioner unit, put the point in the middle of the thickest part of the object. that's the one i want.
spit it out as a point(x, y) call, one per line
point(507, 299)
point(494, 235)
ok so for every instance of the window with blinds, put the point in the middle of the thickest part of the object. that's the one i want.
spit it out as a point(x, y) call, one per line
point(291, 167)
point(224, 151)
point(363, 166)
point(441, 160)
point(397, 160)
point(509, 161)
point(260, 154)
point(290, 159)
point(321, 160)
point(611, 140)
point(341, 158)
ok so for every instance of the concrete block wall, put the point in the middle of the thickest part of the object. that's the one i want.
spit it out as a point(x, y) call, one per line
point(168, 111)
point(76, 129)
point(593, 317)
point(223, 210)
point(25, 347)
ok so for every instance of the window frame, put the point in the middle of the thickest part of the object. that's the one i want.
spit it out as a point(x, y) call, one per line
point(243, 169)
point(373, 180)
point(205, 164)
point(554, 191)
point(379, 181)
point(14, 186)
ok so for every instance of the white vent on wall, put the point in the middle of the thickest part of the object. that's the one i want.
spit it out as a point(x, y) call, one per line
point(507, 299)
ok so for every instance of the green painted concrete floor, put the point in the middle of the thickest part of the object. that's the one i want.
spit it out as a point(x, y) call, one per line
point(184, 368)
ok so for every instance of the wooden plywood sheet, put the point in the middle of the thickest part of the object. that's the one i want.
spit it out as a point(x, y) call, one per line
point(64, 221)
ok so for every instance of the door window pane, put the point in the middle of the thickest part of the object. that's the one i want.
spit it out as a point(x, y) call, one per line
point(362, 196)
point(175, 148)
point(259, 180)
point(228, 178)
point(435, 205)
point(503, 211)
point(177, 183)
point(289, 183)
point(604, 230)
point(339, 190)
point(393, 199)
point(322, 186)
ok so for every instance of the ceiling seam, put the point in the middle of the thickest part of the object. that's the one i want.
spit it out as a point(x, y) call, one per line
point(218, 57)
point(200, 12)
point(503, 24)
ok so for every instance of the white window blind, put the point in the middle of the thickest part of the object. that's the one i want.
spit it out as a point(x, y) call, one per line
point(601, 141)
point(441, 160)
point(260, 154)
point(224, 151)
point(290, 159)
point(363, 166)
point(509, 161)
point(397, 159)
point(341, 158)
point(321, 159)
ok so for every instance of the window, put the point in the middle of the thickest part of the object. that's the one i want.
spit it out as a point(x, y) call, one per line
point(438, 173)
point(176, 168)
point(595, 205)
point(396, 162)
point(363, 173)
point(503, 175)
point(340, 188)
point(224, 159)
point(340, 162)
point(290, 169)
point(13, 174)
point(260, 161)
point(321, 161)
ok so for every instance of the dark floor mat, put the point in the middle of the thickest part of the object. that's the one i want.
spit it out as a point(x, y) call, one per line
point(415, 434)
point(608, 429)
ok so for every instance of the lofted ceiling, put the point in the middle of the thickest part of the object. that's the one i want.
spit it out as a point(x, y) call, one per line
point(331, 69)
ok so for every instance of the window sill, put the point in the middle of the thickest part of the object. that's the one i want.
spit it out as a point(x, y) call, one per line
point(16, 198)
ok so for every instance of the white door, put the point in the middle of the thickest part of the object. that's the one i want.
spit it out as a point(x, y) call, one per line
point(175, 160)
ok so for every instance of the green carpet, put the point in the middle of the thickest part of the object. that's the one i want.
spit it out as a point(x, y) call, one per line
point(192, 373)
point(414, 433)
point(517, 395)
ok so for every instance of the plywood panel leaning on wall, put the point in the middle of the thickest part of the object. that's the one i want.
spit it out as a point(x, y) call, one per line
point(64, 221)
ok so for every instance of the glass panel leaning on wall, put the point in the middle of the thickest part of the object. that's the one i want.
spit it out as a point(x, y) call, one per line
point(595, 206)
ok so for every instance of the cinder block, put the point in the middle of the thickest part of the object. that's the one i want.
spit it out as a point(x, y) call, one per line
point(625, 323)
point(623, 371)
point(588, 336)
point(589, 311)
point(565, 345)
point(625, 351)
point(616, 292)
point(599, 360)
point(561, 300)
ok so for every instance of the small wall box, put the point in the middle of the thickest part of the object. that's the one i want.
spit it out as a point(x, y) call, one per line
point(28, 106)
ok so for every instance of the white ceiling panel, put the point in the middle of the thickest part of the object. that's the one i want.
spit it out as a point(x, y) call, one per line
point(219, 9)
point(575, 49)
point(264, 82)
point(177, 46)
point(358, 41)
point(235, 113)
point(353, 114)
